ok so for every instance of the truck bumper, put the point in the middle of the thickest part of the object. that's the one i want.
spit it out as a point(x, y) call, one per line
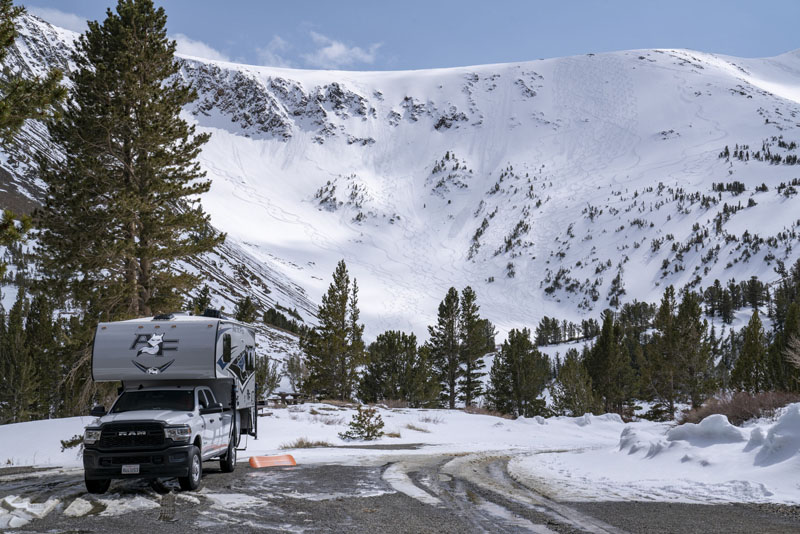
point(164, 463)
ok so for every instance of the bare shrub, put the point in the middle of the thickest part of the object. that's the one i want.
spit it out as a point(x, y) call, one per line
point(328, 420)
point(395, 403)
point(305, 443)
point(411, 426)
point(480, 410)
point(392, 434)
point(740, 407)
point(432, 419)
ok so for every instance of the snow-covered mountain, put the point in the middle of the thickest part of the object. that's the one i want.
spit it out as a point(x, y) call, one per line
point(548, 186)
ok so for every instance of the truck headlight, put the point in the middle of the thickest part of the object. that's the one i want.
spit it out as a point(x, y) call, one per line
point(91, 436)
point(179, 433)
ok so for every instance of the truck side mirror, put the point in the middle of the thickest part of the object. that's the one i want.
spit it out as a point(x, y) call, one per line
point(214, 407)
point(98, 411)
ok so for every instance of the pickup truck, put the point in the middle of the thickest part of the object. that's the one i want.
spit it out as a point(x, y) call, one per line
point(187, 396)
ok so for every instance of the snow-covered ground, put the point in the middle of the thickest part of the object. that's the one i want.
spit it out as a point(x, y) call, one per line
point(569, 458)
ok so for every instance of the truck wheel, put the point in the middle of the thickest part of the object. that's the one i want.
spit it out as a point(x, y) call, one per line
point(192, 482)
point(97, 486)
point(228, 462)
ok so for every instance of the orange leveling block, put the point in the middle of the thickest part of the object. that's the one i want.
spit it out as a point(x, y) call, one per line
point(258, 462)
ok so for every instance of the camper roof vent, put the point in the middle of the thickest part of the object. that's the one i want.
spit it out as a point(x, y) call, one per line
point(211, 312)
point(164, 317)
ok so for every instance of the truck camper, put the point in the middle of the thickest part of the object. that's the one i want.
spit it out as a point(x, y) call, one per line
point(188, 394)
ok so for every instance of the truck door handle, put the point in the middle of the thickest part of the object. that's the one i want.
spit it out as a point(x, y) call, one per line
point(212, 420)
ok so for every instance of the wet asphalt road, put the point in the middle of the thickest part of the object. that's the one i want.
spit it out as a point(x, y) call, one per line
point(397, 494)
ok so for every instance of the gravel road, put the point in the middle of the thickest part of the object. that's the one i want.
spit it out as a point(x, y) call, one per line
point(400, 493)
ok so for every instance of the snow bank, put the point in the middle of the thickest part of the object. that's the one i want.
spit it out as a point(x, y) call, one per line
point(38, 443)
point(711, 462)
point(712, 430)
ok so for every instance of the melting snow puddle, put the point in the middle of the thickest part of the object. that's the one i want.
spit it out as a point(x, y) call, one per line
point(360, 494)
point(232, 500)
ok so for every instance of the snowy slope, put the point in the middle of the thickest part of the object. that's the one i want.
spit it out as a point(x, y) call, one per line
point(537, 183)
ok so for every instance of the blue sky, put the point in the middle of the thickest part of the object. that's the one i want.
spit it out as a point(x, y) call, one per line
point(414, 34)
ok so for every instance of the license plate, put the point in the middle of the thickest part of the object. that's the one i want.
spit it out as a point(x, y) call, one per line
point(130, 469)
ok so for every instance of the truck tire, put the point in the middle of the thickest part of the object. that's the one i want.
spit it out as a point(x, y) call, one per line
point(97, 486)
point(192, 482)
point(228, 462)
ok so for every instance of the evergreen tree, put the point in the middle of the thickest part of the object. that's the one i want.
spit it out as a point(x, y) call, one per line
point(334, 348)
point(202, 301)
point(751, 372)
point(444, 346)
point(696, 363)
point(474, 345)
point(397, 370)
point(664, 354)
point(609, 367)
point(19, 382)
point(42, 335)
point(518, 376)
point(121, 207)
point(572, 389)
point(22, 98)
point(246, 310)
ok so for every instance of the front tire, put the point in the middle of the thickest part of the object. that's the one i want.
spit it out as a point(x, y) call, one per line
point(228, 462)
point(192, 482)
point(97, 486)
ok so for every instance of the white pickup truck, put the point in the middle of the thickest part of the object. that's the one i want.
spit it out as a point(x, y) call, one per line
point(188, 395)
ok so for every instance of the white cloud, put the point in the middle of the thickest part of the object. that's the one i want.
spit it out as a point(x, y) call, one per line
point(191, 47)
point(62, 19)
point(332, 54)
point(272, 54)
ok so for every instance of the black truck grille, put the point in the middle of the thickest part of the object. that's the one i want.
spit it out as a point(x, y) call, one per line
point(131, 435)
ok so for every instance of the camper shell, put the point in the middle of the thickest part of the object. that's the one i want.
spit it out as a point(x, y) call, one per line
point(201, 368)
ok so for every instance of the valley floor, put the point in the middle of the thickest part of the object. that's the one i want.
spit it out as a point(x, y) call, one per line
point(446, 470)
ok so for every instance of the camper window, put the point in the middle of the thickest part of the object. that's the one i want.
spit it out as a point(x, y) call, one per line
point(226, 348)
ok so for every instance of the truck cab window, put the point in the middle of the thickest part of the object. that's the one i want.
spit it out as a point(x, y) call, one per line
point(202, 399)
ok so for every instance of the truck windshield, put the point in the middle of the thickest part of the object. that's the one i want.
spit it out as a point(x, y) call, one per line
point(182, 401)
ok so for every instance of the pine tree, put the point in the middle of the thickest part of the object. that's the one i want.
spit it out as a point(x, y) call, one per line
point(572, 390)
point(355, 340)
point(696, 363)
point(474, 345)
point(201, 302)
point(246, 310)
point(334, 349)
point(22, 98)
point(444, 344)
point(750, 372)
point(518, 376)
point(397, 370)
point(121, 207)
point(609, 367)
point(19, 383)
point(664, 353)
point(42, 335)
